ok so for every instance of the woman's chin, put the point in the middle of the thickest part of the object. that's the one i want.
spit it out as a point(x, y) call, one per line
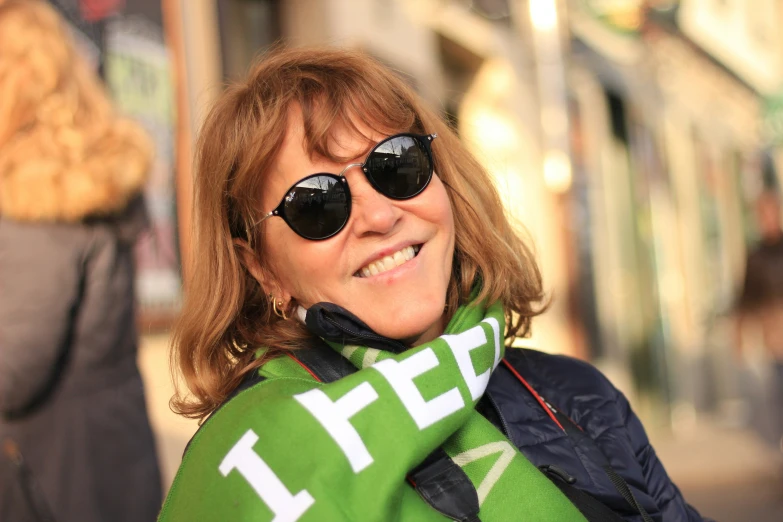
point(412, 331)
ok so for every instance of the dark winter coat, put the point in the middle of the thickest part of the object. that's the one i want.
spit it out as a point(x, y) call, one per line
point(589, 399)
point(71, 395)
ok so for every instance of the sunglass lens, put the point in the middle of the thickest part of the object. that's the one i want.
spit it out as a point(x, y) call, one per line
point(317, 207)
point(400, 167)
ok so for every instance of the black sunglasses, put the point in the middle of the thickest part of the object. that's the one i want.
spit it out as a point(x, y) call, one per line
point(318, 206)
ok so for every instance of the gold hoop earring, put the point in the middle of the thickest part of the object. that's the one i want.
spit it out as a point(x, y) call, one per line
point(277, 307)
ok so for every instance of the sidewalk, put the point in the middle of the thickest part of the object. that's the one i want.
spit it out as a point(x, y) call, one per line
point(728, 475)
point(172, 432)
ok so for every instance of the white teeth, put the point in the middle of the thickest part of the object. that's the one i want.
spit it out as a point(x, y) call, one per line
point(389, 262)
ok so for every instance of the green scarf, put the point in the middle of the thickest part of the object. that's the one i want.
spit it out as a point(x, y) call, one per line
point(509, 487)
point(293, 449)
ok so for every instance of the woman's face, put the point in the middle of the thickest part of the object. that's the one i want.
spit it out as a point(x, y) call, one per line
point(403, 301)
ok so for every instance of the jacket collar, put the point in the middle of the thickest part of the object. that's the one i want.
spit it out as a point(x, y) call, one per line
point(335, 324)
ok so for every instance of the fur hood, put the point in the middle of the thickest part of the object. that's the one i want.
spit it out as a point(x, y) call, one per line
point(58, 175)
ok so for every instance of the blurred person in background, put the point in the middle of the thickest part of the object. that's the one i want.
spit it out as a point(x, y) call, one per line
point(345, 326)
point(75, 436)
point(761, 304)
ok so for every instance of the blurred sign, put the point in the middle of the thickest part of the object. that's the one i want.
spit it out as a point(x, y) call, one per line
point(624, 16)
point(743, 36)
point(94, 10)
point(87, 33)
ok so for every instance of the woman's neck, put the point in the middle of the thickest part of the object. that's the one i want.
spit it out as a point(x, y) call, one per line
point(433, 332)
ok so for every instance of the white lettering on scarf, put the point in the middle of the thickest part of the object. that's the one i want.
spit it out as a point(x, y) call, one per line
point(461, 345)
point(401, 374)
point(285, 506)
point(335, 417)
point(491, 321)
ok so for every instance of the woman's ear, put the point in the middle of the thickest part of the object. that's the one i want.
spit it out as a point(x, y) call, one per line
point(249, 260)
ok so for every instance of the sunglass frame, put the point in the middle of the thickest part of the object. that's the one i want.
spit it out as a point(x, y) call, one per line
point(425, 140)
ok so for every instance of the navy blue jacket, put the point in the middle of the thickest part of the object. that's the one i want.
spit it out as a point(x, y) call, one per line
point(580, 391)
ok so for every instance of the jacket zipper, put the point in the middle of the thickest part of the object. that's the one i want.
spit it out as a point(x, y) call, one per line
point(506, 431)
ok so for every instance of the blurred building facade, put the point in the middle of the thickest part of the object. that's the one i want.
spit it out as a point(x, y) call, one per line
point(675, 151)
point(627, 138)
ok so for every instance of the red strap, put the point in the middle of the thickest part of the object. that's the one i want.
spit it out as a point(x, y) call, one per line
point(300, 363)
point(533, 392)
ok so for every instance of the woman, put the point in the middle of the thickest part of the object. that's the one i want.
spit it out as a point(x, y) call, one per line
point(76, 440)
point(344, 235)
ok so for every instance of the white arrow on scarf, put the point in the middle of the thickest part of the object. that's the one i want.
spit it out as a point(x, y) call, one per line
point(506, 451)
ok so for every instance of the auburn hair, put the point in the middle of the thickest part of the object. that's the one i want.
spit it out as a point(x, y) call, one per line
point(226, 314)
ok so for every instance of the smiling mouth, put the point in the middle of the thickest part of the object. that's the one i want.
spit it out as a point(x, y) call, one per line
point(389, 262)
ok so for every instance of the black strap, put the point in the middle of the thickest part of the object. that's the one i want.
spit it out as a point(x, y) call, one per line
point(446, 487)
point(591, 508)
point(625, 491)
point(580, 438)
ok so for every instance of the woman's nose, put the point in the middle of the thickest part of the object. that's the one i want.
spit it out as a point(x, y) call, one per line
point(371, 211)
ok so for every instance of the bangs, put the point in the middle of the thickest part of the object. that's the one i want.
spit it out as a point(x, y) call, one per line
point(354, 108)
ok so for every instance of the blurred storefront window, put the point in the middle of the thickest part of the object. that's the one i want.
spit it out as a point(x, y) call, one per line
point(125, 41)
point(139, 76)
point(247, 29)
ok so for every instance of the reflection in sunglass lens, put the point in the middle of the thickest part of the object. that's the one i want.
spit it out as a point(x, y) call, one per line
point(399, 168)
point(317, 206)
